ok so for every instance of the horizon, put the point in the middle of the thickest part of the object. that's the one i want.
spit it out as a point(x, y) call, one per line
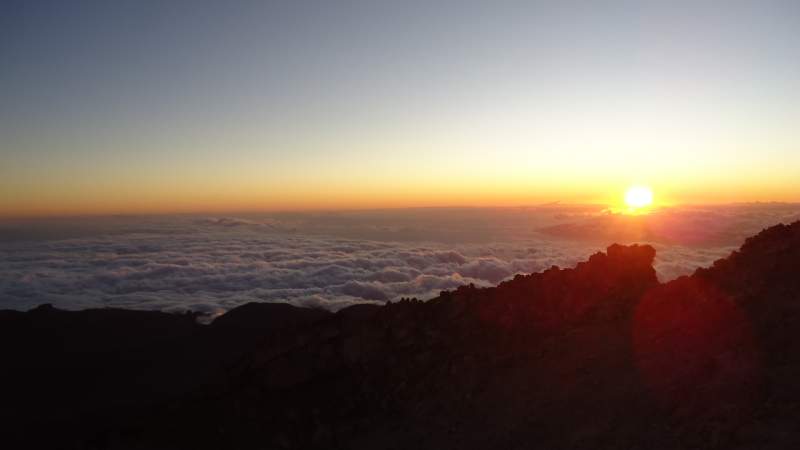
point(605, 208)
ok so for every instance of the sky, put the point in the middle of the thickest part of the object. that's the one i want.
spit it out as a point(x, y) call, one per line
point(168, 106)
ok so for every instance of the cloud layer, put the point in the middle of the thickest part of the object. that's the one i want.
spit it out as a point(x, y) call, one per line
point(214, 264)
point(213, 271)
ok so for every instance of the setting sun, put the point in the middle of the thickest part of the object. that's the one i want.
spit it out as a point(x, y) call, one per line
point(638, 197)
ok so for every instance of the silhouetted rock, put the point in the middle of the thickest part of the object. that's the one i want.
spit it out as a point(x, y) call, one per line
point(249, 323)
point(598, 356)
point(81, 372)
point(267, 316)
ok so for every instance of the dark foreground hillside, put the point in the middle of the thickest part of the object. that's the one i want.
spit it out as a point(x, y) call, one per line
point(601, 356)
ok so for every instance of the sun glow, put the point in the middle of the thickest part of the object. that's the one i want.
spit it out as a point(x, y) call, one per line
point(638, 197)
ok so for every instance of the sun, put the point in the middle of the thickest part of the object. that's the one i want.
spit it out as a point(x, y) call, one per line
point(637, 197)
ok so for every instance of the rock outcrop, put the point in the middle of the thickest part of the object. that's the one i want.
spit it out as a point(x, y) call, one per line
point(599, 356)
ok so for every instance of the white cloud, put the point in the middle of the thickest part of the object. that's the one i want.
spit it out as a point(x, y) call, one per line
point(175, 263)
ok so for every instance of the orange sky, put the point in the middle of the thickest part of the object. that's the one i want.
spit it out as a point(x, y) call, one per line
point(175, 197)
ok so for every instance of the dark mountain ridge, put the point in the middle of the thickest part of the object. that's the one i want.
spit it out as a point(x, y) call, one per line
point(597, 356)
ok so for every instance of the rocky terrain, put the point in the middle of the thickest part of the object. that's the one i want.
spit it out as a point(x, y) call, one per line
point(599, 356)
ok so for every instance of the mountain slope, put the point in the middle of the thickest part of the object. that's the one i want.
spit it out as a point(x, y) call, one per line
point(597, 356)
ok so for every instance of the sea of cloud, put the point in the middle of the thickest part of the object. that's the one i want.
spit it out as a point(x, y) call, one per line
point(332, 260)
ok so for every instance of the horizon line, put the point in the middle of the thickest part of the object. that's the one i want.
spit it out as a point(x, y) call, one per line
point(543, 205)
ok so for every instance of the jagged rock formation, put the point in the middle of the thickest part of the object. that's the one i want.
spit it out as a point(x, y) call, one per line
point(598, 356)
